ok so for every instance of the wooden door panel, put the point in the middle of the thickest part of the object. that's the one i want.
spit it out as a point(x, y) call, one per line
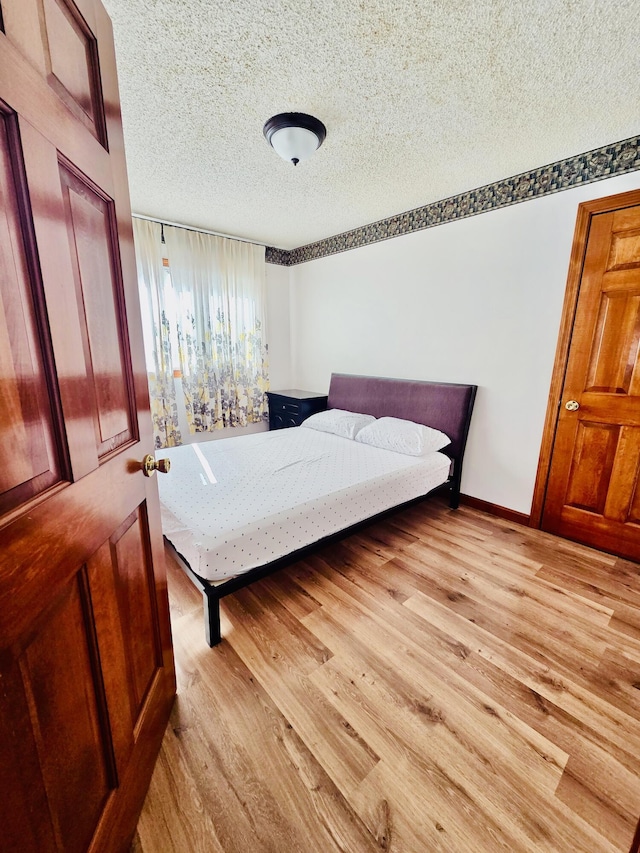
point(57, 36)
point(31, 447)
point(24, 811)
point(50, 563)
point(62, 681)
point(63, 301)
point(136, 596)
point(592, 490)
point(625, 247)
point(597, 531)
point(93, 243)
point(615, 344)
point(632, 515)
point(21, 24)
point(101, 573)
point(588, 311)
point(26, 88)
point(590, 473)
point(623, 500)
point(71, 55)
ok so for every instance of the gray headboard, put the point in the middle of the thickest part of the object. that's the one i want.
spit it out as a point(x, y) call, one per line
point(445, 406)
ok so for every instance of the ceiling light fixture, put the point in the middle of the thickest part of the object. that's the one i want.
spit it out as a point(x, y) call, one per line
point(294, 136)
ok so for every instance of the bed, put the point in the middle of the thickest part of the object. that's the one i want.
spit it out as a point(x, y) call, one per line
point(234, 510)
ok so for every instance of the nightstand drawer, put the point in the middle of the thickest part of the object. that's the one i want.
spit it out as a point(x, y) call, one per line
point(278, 406)
point(291, 408)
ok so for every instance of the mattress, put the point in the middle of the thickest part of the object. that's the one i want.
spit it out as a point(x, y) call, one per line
point(233, 504)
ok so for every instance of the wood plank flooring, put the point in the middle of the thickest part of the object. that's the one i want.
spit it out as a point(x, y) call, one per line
point(441, 681)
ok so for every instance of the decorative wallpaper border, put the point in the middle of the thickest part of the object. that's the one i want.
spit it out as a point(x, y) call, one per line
point(615, 159)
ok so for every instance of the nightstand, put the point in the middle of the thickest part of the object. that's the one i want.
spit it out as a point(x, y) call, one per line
point(289, 408)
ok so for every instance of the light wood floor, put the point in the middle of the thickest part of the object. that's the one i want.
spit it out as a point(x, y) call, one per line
point(442, 681)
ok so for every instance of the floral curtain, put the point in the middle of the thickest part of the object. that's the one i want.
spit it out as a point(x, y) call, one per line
point(157, 332)
point(219, 298)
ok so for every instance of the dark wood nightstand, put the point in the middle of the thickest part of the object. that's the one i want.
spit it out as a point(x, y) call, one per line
point(289, 408)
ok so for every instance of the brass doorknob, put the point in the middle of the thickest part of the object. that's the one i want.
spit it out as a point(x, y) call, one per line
point(151, 465)
point(572, 405)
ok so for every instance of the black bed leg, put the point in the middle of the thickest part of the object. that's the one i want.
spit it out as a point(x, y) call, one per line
point(212, 619)
point(454, 495)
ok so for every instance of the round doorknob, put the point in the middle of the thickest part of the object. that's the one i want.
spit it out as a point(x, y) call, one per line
point(151, 465)
point(572, 405)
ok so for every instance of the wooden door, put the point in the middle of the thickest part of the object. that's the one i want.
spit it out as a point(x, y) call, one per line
point(593, 490)
point(86, 664)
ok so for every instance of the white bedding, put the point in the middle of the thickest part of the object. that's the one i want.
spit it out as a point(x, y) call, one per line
point(275, 492)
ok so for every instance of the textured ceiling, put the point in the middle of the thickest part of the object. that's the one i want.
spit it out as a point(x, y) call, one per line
point(421, 99)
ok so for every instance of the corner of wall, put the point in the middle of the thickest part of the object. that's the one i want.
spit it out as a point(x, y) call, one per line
point(279, 325)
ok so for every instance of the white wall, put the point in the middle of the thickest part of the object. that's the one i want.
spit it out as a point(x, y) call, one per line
point(278, 327)
point(476, 301)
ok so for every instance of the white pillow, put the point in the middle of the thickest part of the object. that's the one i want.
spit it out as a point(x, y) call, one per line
point(339, 422)
point(403, 437)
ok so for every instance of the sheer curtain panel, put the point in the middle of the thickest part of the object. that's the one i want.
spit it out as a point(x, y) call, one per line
point(219, 297)
point(156, 322)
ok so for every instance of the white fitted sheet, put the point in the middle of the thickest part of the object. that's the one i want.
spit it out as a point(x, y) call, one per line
point(275, 492)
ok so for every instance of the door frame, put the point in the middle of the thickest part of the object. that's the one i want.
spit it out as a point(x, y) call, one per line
point(586, 210)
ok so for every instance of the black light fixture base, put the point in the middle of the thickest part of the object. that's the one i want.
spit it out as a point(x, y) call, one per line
point(282, 120)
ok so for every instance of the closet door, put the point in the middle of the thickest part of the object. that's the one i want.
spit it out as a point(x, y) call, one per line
point(86, 664)
point(593, 488)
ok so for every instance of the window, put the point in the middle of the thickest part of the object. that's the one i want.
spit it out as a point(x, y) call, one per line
point(204, 317)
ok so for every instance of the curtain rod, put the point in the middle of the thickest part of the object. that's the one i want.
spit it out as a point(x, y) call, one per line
point(200, 230)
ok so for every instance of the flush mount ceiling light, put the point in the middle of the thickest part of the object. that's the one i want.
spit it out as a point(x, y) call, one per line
point(294, 136)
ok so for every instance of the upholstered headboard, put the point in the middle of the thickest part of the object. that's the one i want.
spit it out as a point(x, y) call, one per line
point(445, 406)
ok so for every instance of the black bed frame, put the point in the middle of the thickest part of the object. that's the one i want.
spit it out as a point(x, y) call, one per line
point(444, 406)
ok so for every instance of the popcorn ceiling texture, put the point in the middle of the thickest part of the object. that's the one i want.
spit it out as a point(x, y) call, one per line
point(423, 101)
